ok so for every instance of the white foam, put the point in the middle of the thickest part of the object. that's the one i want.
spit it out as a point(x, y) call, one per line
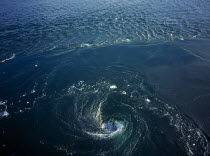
point(127, 40)
point(113, 87)
point(124, 92)
point(4, 114)
point(106, 135)
point(147, 100)
point(13, 56)
point(33, 91)
point(103, 126)
point(2, 102)
point(98, 113)
point(85, 45)
point(24, 95)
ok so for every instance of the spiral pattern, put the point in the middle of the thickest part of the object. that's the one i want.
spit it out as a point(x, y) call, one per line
point(145, 123)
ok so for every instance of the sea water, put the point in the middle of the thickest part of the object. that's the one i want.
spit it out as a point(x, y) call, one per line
point(69, 69)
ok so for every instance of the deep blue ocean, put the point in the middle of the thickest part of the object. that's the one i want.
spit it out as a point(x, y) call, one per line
point(104, 77)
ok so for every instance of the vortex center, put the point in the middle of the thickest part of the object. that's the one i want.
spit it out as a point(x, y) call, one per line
point(111, 126)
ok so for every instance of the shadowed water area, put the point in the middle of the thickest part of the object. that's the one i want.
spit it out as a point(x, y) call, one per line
point(105, 77)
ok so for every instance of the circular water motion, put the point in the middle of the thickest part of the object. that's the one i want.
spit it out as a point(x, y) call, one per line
point(128, 119)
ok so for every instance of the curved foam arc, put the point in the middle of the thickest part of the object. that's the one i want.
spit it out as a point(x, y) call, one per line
point(5, 112)
point(7, 59)
point(98, 114)
point(107, 134)
point(119, 126)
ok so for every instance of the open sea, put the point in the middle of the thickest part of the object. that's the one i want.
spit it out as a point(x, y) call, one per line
point(104, 77)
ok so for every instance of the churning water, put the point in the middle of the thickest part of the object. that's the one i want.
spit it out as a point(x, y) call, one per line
point(105, 77)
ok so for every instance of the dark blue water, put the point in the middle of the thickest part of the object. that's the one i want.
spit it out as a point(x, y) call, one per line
point(105, 77)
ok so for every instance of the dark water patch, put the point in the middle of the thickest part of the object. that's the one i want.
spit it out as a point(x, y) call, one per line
point(59, 102)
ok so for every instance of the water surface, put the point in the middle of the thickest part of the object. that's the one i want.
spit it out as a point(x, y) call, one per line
point(68, 69)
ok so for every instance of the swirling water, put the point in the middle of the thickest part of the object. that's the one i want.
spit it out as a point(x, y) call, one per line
point(71, 70)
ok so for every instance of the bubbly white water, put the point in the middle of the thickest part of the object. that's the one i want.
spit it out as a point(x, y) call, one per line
point(3, 112)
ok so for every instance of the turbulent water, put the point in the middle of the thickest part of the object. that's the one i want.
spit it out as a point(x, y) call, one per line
point(134, 107)
point(105, 77)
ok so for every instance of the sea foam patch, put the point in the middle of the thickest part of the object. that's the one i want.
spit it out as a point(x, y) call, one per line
point(123, 92)
point(113, 87)
point(147, 100)
point(3, 109)
point(4, 114)
point(10, 58)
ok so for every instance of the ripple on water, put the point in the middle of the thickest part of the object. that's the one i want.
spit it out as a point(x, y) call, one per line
point(102, 23)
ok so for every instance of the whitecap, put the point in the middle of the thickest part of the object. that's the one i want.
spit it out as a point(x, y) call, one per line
point(107, 134)
point(33, 91)
point(24, 95)
point(4, 113)
point(2, 102)
point(113, 87)
point(85, 45)
point(10, 58)
point(147, 100)
point(123, 92)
